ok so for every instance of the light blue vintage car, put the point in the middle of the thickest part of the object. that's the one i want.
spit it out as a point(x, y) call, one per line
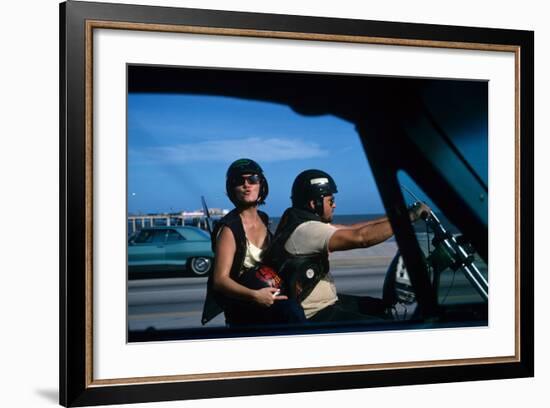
point(162, 251)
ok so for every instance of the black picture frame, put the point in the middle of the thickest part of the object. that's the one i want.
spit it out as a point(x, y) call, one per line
point(77, 21)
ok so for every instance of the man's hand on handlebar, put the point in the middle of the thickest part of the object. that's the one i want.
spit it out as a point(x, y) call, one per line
point(419, 210)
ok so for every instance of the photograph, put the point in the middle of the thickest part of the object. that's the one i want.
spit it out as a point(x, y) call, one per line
point(253, 208)
point(259, 204)
point(266, 204)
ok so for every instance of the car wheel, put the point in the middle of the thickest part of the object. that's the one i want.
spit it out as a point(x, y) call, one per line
point(201, 265)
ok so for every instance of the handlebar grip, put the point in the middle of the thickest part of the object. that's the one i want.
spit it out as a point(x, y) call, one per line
point(413, 207)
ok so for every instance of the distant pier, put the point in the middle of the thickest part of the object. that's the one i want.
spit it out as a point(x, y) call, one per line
point(194, 218)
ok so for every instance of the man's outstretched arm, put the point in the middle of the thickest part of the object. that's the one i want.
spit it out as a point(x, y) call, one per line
point(369, 233)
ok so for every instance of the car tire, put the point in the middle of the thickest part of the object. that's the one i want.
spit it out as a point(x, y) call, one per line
point(200, 266)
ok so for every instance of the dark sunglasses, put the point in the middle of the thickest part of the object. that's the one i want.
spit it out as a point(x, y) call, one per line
point(240, 180)
point(331, 201)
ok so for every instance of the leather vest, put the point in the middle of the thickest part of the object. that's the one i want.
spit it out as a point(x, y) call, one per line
point(300, 273)
point(215, 301)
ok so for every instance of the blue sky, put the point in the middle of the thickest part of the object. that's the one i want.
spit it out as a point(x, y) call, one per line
point(179, 148)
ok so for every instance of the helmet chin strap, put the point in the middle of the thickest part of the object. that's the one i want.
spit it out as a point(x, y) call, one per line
point(319, 207)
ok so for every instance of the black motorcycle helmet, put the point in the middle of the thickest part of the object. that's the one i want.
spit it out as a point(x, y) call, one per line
point(245, 166)
point(312, 185)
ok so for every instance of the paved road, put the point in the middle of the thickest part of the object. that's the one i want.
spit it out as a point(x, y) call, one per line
point(177, 303)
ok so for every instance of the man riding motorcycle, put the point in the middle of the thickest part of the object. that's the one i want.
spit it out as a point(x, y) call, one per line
point(304, 238)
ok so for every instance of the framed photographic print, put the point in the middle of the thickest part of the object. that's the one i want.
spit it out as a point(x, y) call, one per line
point(352, 197)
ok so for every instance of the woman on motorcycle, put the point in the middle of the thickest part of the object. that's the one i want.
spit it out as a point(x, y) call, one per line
point(248, 295)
